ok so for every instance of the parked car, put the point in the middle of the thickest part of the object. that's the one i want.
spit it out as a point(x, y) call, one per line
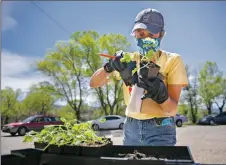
point(180, 119)
point(35, 123)
point(213, 119)
point(108, 122)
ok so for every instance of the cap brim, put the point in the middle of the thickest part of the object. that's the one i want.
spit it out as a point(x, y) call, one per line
point(152, 28)
point(138, 26)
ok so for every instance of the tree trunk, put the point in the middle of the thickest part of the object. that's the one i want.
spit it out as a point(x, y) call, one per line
point(209, 110)
point(2, 120)
point(221, 109)
point(111, 110)
point(77, 113)
point(6, 119)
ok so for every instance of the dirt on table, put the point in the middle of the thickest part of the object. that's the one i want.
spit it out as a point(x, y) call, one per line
point(139, 156)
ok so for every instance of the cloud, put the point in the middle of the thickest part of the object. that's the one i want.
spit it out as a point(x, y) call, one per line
point(17, 71)
point(191, 78)
point(14, 64)
point(8, 22)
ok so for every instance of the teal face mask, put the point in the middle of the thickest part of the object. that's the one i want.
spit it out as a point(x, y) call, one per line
point(146, 44)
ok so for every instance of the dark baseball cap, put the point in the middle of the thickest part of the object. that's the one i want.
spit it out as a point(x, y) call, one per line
point(150, 19)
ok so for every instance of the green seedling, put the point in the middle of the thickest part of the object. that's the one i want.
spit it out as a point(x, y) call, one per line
point(67, 134)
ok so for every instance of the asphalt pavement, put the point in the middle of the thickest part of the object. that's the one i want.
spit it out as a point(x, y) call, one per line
point(207, 143)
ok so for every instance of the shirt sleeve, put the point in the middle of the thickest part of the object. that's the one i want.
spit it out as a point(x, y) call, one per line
point(177, 74)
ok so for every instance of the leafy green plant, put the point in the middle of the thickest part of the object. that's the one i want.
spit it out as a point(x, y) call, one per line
point(69, 133)
point(128, 57)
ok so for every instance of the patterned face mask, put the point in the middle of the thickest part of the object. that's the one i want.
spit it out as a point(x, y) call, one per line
point(146, 44)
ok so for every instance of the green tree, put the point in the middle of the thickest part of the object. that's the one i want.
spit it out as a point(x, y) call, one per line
point(21, 110)
point(109, 96)
point(9, 98)
point(220, 100)
point(183, 109)
point(191, 95)
point(38, 100)
point(209, 79)
point(66, 112)
point(64, 66)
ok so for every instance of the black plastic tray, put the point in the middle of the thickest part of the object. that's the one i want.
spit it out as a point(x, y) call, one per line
point(174, 155)
point(169, 152)
point(11, 160)
point(74, 150)
point(29, 156)
point(51, 159)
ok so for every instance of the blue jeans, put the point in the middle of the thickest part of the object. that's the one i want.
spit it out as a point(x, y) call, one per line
point(149, 133)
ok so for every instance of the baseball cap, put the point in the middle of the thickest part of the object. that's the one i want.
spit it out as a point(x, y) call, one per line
point(150, 19)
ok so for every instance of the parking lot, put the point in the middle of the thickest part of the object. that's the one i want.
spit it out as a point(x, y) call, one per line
point(207, 143)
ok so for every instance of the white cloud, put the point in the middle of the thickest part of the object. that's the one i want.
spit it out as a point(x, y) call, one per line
point(191, 77)
point(17, 73)
point(14, 64)
point(22, 82)
point(15, 69)
point(8, 22)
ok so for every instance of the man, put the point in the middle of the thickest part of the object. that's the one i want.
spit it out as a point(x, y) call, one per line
point(152, 103)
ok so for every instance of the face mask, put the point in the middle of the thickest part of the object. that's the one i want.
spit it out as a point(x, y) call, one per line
point(146, 44)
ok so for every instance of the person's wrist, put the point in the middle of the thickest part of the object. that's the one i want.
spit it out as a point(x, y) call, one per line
point(163, 99)
point(108, 68)
point(162, 94)
point(165, 102)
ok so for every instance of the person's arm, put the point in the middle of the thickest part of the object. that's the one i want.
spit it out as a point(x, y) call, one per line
point(124, 70)
point(167, 98)
point(176, 81)
point(99, 78)
point(170, 105)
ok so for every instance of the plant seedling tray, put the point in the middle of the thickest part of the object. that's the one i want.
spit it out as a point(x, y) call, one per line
point(109, 155)
point(74, 150)
point(10, 159)
point(29, 156)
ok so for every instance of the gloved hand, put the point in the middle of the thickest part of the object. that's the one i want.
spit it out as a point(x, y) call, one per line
point(115, 64)
point(156, 89)
point(125, 69)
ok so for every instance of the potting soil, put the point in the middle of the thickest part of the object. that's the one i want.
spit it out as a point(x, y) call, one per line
point(139, 156)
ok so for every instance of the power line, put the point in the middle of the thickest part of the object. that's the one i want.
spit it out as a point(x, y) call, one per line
point(54, 20)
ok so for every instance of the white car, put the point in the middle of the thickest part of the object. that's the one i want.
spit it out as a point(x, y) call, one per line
point(108, 122)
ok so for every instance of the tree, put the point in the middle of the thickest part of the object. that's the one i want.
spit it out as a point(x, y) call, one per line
point(222, 95)
point(38, 100)
point(21, 110)
point(110, 96)
point(183, 109)
point(64, 66)
point(66, 112)
point(9, 99)
point(110, 44)
point(191, 95)
point(209, 80)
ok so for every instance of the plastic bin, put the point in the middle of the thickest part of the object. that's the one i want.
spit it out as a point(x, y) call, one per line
point(166, 156)
point(11, 160)
point(29, 156)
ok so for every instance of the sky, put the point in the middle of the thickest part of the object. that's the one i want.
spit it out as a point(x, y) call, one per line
point(195, 30)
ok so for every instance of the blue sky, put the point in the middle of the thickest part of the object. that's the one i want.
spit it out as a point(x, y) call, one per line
point(195, 30)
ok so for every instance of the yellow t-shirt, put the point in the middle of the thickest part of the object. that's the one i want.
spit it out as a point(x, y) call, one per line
point(172, 67)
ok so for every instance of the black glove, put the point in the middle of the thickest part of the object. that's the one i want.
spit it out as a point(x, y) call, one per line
point(156, 89)
point(115, 64)
point(125, 69)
